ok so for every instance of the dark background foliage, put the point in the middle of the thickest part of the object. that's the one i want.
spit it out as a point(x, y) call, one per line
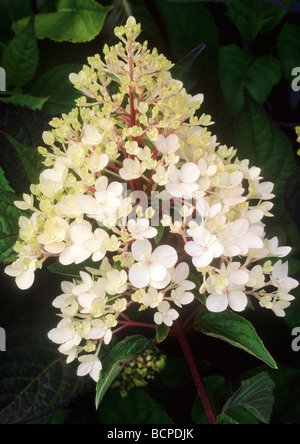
point(245, 73)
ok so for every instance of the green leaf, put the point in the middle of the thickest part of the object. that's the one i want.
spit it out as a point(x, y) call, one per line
point(218, 393)
point(225, 419)
point(75, 21)
point(55, 85)
point(9, 217)
point(29, 157)
point(183, 68)
point(176, 373)
point(23, 126)
point(11, 11)
point(4, 185)
point(239, 69)
point(20, 57)
point(160, 233)
point(289, 49)
point(143, 409)
point(58, 418)
point(196, 24)
point(259, 139)
point(256, 396)
point(235, 330)
point(162, 332)
point(26, 100)
point(253, 17)
point(113, 364)
point(9, 226)
point(35, 381)
point(70, 270)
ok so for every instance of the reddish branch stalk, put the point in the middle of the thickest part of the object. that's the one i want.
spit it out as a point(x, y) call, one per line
point(179, 333)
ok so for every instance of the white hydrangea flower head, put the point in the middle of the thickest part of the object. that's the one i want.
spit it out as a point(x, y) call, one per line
point(92, 208)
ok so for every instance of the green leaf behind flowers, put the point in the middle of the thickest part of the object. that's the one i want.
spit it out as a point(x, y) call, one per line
point(256, 396)
point(235, 330)
point(123, 352)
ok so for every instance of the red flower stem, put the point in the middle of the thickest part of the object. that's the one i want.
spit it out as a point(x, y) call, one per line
point(136, 324)
point(190, 360)
point(182, 257)
point(191, 317)
point(113, 167)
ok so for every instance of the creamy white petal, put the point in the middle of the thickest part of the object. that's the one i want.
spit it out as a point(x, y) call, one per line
point(139, 276)
point(140, 248)
point(166, 256)
point(217, 303)
point(237, 300)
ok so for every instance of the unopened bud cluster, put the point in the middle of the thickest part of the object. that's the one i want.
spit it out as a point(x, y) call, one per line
point(140, 371)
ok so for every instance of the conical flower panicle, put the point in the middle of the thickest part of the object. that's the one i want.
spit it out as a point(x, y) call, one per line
point(134, 134)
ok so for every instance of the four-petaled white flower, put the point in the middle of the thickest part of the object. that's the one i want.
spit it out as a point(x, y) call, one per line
point(23, 270)
point(91, 136)
point(100, 330)
point(106, 202)
point(181, 297)
point(227, 289)
point(151, 267)
point(140, 229)
point(281, 280)
point(90, 365)
point(240, 236)
point(65, 335)
point(204, 248)
point(132, 169)
point(85, 244)
point(153, 298)
point(165, 314)
point(167, 145)
point(183, 182)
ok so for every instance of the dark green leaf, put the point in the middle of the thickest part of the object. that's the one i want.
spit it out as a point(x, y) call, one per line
point(253, 17)
point(11, 11)
point(225, 419)
point(26, 100)
point(57, 418)
point(160, 233)
point(20, 57)
point(218, 393)
point(71, 270)
point(162, 332)
point(75, 21)
point(235, 330)
point(196, 24)
point(256, 396)
point(260, 139)
point(29, 157)
point(56, 85)
point(289, 49)
point(123, 352)
point(143, 409)
point(242, 416)
point(9, 226)
point(183, 68)
point(4, 185)
point(176, 373)
point(23, 124)
point(20, 133)
point(35, 381)
point(239, 69)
